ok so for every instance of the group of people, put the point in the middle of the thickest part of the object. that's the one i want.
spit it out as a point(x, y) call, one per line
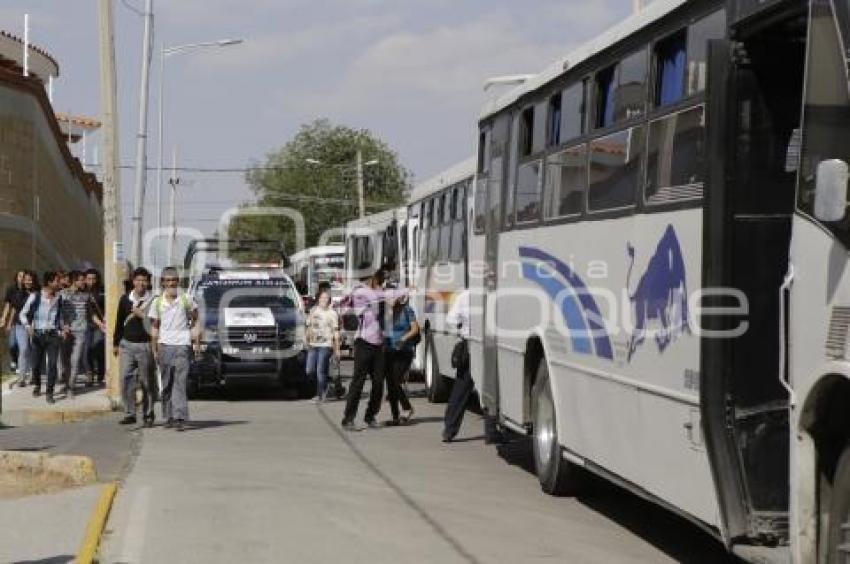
point(55, 329)
point(383, 348)
point(155, 338)
point(387, 333)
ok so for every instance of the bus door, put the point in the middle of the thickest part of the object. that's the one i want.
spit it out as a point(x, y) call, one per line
point(755, 89)
point(492, 227)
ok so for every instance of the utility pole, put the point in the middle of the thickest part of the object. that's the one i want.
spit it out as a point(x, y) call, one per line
point(175, 182)
point(361, 197)
point(113, 260)
point(141, 138)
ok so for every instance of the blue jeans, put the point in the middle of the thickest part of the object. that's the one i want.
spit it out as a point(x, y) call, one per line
point(318, 362)
point(24, 360)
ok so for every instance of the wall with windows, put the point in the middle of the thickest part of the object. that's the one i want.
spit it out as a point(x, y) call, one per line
point(624, 132)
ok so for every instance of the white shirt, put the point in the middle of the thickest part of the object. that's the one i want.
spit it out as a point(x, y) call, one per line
point(175, 324)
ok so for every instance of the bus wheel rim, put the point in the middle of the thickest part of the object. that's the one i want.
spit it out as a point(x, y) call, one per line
point(545, 429)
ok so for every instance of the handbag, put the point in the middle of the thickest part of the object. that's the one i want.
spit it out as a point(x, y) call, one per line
point(460, 356)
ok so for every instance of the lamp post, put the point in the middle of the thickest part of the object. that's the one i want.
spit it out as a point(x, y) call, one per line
point(361, 196)
point(165, 52)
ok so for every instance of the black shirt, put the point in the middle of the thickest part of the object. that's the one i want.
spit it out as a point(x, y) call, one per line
point(134, 330)
point(16, 298)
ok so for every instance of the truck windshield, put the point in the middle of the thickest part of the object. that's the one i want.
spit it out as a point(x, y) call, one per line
point(214, 296)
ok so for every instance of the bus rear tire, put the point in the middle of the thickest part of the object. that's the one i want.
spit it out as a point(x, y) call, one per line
point(437, 385)
point(557, 476)
point(838, 536)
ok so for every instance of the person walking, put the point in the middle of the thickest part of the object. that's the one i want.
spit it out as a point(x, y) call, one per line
point(42, 315)
point(174, 322)
point(97, 331)
point(131, 342)
point(9, 318)
point(78, 310)
point(22, 339)
point(402, 337)
point(458, 316)
point(368, 301)
point(322, 342)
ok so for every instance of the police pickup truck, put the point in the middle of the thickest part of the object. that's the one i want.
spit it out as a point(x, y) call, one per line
point(253, 328)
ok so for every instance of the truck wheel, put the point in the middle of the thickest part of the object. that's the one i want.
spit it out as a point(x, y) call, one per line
point(557, 476)
point(437, 385)
point(838, 535)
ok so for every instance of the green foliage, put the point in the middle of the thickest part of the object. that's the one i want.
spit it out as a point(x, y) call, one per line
point(325, 194)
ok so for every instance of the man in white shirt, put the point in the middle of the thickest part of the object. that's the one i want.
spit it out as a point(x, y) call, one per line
point(174, 318)
point(458, 318)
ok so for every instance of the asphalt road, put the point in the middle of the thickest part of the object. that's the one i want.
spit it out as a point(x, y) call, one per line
point(259, 479)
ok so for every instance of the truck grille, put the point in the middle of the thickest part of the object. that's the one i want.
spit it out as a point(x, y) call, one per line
point(250, 337)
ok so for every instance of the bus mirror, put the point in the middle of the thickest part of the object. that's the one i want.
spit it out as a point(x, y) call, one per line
point(831, 190)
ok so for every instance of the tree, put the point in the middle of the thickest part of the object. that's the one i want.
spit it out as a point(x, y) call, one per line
point(325, 193)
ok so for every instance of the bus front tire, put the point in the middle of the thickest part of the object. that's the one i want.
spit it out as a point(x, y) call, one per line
point(838, 536)
point(557, 476)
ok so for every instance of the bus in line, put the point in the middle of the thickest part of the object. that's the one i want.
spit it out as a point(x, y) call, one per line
point(660, 274)
point(314, 265)
point(438, 264)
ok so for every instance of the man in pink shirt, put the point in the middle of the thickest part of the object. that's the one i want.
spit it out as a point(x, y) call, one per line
point(368, 299)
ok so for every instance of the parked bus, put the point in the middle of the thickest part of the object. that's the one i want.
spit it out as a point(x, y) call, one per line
point(439, 268)
point(312, 266)
point(694, 156)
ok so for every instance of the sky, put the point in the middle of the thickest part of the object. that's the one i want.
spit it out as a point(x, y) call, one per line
point(411, 71)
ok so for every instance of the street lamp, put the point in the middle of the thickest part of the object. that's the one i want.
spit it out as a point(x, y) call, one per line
point(163, 53)
point(361, 198)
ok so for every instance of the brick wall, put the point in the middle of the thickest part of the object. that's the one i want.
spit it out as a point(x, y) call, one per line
point(64, 229)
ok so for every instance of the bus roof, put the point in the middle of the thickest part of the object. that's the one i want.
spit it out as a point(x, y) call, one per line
point(377, 219)
point(649, 14)
point(322, 250)
point(452, 175)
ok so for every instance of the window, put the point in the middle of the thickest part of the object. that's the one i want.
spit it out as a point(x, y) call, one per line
point(510, 185)
point(483, 151)
point(538, 136)
point(363, 252)
point(434, 238)
point(572, 112)
point(676, 157)
point(445, 241)
point(529, 178)
point(566, 182)
point(553, 125)
point(615, 169)
point(630, 96)
point(526, 131)
point(480, 207)
point(670, 70)
point(606, 83)
point(710, 27)
point(448, 205)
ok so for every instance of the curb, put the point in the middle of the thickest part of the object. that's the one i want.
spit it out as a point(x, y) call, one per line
point(17, 418)
point(97, 524)
point(78, 470)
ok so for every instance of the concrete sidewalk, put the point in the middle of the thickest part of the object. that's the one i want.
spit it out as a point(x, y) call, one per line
point(46, 528)
point(20, 407)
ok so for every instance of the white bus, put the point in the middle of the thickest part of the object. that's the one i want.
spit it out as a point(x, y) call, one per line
point(693, 156)
point(314, 265)
point(439, 267)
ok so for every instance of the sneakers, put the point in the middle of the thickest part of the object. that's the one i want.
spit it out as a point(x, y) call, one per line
point(50, 399)
point(372, 424)
point(350, 426)
point(36, 391)
point(181, 425)
point(128, 420)
point(148, 422)
point(169, 424)
point(408, 416)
